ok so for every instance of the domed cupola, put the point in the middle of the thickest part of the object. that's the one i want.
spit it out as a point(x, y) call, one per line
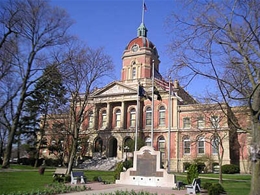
point(139, 56)
point(142, 30)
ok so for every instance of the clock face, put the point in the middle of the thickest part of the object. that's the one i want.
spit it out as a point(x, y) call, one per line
point(135, 48)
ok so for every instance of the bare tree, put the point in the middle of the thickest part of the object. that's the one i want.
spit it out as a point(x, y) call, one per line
point(219, 40)
point(83, 71)
point(213, 124)
point(37, 29)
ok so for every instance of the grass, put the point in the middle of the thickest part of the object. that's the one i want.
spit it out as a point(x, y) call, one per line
point(27, 178)
point(234, 184)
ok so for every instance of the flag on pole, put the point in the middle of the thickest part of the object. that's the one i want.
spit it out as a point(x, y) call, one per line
point(162, 83)
point(156, 92)
point(142, 94)
point(145, 8)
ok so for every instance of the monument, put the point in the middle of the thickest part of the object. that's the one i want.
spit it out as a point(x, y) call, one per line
point(146, 170)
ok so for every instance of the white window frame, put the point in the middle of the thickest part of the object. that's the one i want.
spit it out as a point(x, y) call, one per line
point(186, 123)
point(104, 118)
point(118, 117)
point(214, 121)
point(201, 145)
point(215, 145)
point(132, 117)
point(148, 119)
point(162, 116)
point(186, 145)
point(200, 122)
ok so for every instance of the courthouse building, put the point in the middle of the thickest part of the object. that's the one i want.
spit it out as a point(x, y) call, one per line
point(174, 123)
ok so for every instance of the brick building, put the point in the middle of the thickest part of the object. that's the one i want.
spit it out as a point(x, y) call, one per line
point(183, 129)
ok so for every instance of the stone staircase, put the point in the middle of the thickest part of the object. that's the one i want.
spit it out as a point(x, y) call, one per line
point(101, 164)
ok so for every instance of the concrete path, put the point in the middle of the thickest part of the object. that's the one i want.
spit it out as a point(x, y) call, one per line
point(100, 188)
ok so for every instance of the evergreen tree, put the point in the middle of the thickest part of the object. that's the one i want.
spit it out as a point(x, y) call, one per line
point(48, 97)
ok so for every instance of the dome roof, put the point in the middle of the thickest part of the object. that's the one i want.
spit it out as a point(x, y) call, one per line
point(141, 42)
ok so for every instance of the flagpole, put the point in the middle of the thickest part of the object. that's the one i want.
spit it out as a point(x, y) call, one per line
point(143, 12)
point(169, 125)
point(137, 115)
point(152, 121)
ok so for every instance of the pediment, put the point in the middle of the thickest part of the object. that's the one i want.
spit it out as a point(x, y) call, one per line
point(115, 88)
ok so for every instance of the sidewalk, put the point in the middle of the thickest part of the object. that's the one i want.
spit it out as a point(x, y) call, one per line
point(98, 188)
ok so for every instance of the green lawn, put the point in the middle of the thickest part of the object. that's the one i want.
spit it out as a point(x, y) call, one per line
point(28, 179)
point(234, 184)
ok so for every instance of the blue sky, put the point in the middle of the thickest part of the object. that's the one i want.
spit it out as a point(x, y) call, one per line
point(113, 23)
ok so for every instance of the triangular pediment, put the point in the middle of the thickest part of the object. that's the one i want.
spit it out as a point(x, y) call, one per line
point(115, 88)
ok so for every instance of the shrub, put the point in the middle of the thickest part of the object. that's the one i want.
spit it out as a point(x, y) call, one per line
point(186, 166)
point(58, 179)
point(128, 164)
point(206, 185)
point(95, 178)
point(215, 189)
point(201, 167)
point(67, 179)
point(118, 170)
point(192, 173)
point(230, 169)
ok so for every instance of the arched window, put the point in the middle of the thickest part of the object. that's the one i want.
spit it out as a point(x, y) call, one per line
point(104, 118)
point(161, 143)
point(98, 145)
point(91, 120)
point(201, 145)
point(132, 117)
point(148, 120)
point(161, 147)
point(118, 117)
point(162, 116)
point(186, 145)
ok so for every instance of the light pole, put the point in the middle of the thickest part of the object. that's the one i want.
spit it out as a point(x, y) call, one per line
point(126, 150)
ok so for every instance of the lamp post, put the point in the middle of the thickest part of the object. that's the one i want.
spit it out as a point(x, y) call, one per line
point(126, 150)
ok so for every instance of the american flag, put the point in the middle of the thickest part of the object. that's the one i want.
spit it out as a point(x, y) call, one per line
point(162, 83)
point(145, 8)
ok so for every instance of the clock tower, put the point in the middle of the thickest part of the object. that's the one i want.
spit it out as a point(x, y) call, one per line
point(139, 57)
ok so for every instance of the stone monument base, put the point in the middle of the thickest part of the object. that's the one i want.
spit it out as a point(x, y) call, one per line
point(146, 170)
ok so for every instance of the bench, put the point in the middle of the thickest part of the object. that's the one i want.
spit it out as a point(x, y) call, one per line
point(194, 187)
point(60, 172)
point(77, 176)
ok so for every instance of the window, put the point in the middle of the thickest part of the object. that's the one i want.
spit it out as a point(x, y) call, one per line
point(162, 116)
point(148, 141)
point(104, 118)
point(186, 145)
point(161, 147)
point(98, 145)
point(215, 145)
point(214, 121)
point(132, 117)
point(148, 121)
point(201, 145)
point(134, 73)
point(90, 119)
point(118, 118)
point(200, 122)
point(186, 123)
